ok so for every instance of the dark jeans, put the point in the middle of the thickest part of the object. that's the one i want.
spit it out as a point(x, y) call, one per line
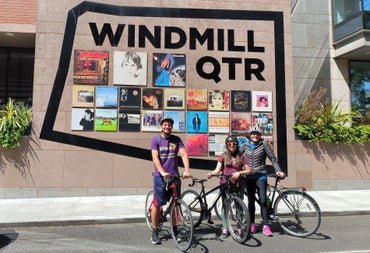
point(251, 186)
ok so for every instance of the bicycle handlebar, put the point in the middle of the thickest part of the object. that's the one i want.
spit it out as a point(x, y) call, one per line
point(201, 181)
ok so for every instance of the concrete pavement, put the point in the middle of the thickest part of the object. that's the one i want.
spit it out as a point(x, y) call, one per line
point(119, 209)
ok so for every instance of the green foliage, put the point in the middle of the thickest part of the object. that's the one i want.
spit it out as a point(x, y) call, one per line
point(15, 117)
point(321, 121)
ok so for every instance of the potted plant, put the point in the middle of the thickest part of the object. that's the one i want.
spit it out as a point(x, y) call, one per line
point(15, 118)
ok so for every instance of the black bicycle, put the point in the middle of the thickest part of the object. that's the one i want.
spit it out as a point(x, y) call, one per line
point(293, 208)
point(236, 212)
point(180, 216)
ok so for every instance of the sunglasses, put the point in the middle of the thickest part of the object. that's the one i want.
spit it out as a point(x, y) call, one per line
point(232, 144)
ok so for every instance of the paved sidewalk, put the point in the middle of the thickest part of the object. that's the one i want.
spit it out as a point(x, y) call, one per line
point(119, 209)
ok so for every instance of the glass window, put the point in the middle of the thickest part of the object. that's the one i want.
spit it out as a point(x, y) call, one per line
point(360, 85)
point(16, 74)
point(344, 10)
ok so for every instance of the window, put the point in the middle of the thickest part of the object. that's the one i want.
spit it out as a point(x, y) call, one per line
point(360, 85)
point(16, 74)
point(344, 10)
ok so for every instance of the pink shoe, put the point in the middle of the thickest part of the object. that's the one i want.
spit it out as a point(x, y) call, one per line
point(253, 228)
point(266, 230)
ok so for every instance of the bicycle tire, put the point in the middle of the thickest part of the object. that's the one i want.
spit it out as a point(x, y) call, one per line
point(181, 213)
point(238, 219)
point(218, 208)
point(195, 203)
point(148, 203)
point(297, 213)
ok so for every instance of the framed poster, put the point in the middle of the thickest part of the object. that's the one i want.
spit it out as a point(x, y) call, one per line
point(129, 120)
point(218, 100)
point(262, 101)
point(152, 98)
point(83, 96)
point(219, 122)
point(178, 118)
point(106, 120)
point(82, 119)
point(106, 97)
point(197, 144)
point(169, 70)
point(174, 99)
point(196, 122)
point(129, 98)
point(150, 120)
point(216, 144)
point(240, 101)
point(196, 99)
point(240, 122)
point(130, 68)
point(90, 67)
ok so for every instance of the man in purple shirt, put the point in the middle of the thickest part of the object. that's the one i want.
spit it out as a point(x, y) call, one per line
point(164, 150)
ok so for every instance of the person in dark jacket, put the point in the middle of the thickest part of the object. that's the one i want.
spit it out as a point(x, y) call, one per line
point(256, 150)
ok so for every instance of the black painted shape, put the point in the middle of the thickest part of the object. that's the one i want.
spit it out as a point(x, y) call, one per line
point(47, 131)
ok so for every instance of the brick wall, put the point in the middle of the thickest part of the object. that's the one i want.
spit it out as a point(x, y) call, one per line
point(18, 11)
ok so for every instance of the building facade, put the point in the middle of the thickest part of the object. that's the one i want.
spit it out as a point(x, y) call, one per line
point(67, 59)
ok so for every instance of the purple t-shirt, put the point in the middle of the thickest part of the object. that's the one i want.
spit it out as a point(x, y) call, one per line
point(228, 170)
point(168, 150)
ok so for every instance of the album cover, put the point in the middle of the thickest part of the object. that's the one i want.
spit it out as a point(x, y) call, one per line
point(196, 100)
point(216, 143)
point(83, 96)
point(90, 67)
point(106, 97)
point(130, 68)
point(129, 98)
point(150, 120)
point(129, 120)
point(82, 119)
point(240, 122)
point(106, 120)
point(264, 122)
point(152, 98)
point(262, 101)
point(178, 118)
point(196, 122)
point(197, 144)
point(240, 101)
point(174, 99)
point(218, 100)
point(219, 122)
point(169, 70)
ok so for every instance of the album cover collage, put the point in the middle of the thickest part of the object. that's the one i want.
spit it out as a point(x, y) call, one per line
point(206, 116)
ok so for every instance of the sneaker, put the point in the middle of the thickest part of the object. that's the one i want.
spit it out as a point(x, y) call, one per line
point(155, 237)
point(253, 228)
point(179, 236)
point(224, 233)
point(266, 230)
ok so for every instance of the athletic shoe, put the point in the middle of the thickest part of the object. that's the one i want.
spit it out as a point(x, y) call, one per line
point(155, 237)
point(224, 233)
point(266, 230)
point(253, 228)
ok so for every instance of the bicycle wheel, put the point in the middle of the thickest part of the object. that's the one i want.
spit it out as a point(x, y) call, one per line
point(238, 220)
point(218, 208)
point(195, 203)
point(181, 218)
point(148, 208)
point(298, 213)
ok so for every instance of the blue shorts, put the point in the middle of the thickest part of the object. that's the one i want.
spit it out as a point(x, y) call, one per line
point(161, 195)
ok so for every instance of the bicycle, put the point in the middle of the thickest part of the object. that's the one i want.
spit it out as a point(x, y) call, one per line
point(180, 216)
point(236, 212)
point(293, 208)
